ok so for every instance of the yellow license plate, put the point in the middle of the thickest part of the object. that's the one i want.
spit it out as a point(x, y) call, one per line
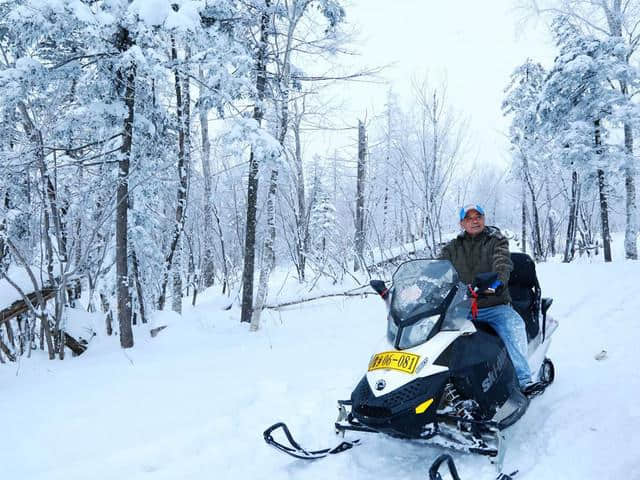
point(405, 362)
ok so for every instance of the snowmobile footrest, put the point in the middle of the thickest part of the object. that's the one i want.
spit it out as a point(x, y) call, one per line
point(295, 450)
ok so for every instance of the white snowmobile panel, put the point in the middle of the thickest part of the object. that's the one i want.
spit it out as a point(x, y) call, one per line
point(382, 381)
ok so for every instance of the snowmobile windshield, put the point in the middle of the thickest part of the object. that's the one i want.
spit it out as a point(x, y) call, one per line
point(458, 311)
point(421, 292)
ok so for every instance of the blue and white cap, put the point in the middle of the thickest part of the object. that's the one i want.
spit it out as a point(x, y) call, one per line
point(467, 208)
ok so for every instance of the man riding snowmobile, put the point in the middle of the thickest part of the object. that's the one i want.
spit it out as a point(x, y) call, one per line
point(440, 375)
point(479, 250)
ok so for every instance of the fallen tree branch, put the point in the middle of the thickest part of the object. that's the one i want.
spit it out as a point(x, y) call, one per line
point(7, 352)
point(74, 345)
point(310, 299)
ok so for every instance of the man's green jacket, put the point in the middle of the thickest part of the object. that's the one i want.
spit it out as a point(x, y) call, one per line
point(486, 252)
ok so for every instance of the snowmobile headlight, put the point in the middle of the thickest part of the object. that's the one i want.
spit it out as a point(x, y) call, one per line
point(417, 333)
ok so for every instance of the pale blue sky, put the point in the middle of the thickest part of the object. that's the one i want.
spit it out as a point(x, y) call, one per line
point(475, 45)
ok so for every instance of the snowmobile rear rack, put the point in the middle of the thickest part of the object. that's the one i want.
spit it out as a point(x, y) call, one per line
point(295, 450)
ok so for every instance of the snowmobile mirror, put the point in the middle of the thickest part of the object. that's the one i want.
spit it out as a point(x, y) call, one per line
point(379, 287)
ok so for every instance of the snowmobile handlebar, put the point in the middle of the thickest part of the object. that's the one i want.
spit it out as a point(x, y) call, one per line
point(379, 287)
point(487, 283)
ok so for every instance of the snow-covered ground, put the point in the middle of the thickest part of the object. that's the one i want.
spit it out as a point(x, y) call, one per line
point(192, 403)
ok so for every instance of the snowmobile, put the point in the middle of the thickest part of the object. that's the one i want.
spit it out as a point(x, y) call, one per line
point(439, 376)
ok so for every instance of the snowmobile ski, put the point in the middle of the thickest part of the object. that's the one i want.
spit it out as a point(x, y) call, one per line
point(295, 450)
point(435, 467)
point(434, 473)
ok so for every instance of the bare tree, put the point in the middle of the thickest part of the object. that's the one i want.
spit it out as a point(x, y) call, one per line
point(284, 45)
point(429, 150)
point(174, 256)
point(360, 188)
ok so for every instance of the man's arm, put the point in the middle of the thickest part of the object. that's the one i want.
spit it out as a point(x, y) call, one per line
point(502, 264)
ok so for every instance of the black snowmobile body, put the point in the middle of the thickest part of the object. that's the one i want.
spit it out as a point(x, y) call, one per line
point(479, 368)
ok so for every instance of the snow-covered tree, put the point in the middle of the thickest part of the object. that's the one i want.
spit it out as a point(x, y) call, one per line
point(99, 93)
point(613, 22)
point(579, 107)
point(521, 101)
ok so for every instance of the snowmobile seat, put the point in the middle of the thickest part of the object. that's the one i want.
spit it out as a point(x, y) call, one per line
point(525, 292)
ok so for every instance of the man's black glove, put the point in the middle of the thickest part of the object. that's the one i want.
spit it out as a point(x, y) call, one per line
point(487, 283)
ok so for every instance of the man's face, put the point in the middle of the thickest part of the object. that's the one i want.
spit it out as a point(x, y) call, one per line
point(473, 222)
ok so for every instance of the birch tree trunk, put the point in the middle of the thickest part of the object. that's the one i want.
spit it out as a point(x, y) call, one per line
point(537, 238)
point(225, 272)
point(550, 221)
point(302, 209)
point(604, 216)
point(122, 199)
point(208, 262)
point(4, 250)
point(176, 295)
point(268, 253)
point(183, 112)
point(432, 187)
point(35, 137)
point(631, 224)
point(387, 165)
point(135, 265)
point(604, 202)
point(252, 183)
point(523, 218)
point(615, 13)
point(360, 233)
point(569, 248)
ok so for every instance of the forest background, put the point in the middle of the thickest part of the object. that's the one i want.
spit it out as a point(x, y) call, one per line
point(152, 149)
